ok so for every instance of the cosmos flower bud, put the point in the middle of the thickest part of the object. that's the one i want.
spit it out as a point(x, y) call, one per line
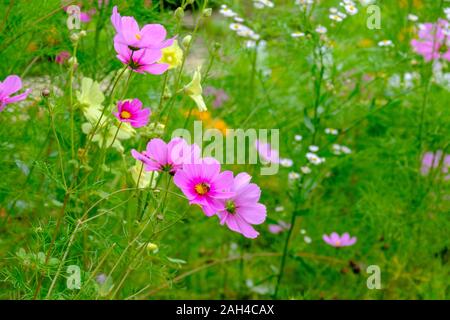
point(75, 37)
point(179, 13)
point(207, 12)
point(152, 247)
point(45, 93)
point(187, 41)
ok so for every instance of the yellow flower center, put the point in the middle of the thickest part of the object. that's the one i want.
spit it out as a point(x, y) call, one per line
point(202, 188)
point(337, 243)
point(138, 36)
point(125, 115)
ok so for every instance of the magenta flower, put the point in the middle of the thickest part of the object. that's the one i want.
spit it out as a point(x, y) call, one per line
point(141, 61)
point(266, 152)
point(62, 57)
point(11, 85)
point(336, 241)
point(170, 157)
point(203, 184)
point(432, 160)
point(433, 42)
point(132, 112)
point(151, 36)
point(243, 209)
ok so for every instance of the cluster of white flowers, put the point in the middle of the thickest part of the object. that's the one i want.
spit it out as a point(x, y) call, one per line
point(447, 12)
point(314, 158)
point(244, 31)
point(227, 12)
point(331, 131)
point(340, 149)
point(385, 43)
point(261, 4)
point(336, 15)
point(406, 81)
point(305, 5)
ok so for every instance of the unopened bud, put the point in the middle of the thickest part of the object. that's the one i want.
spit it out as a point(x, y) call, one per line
point(82, 33)
point(75, 37)
point(207, 12)
point(179, 13)
point(45, 93)
point(152, 247)
point(187, 41)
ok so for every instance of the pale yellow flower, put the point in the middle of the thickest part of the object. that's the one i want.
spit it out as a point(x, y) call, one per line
point(147, 178)
point(173, 55)
point(194, 90)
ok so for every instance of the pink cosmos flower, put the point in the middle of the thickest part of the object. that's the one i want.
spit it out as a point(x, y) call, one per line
point(132, 112)
point(433, 42)
point(151, 36)
point(278, 228)
point(170, 157)
point(336, 241)
point(432, 160)
point(243, 209)
point(62, 57)
point(141, 61)
point(11, 85)
point(266, 152)
point(203, 184)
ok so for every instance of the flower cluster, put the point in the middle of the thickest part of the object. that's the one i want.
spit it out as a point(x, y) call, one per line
point(140, 49)
point(261, 4)
point(434, 41)
point(232, 198)
point(238, 26)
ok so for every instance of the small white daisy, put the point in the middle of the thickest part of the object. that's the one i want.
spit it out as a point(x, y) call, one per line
point(313, 148)
point(307, 239)
point(351, 9)
point(413, 17)
point(297, 34)
point(293, 176)
point(298, 137)
point(331, 131)
point(385, 43)
point(314, 158)
point(279, 208)
point(285, 162)
point(321, 29)
point(305, 170)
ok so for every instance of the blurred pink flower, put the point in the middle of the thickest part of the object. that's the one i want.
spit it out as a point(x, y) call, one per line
point(151, 36)
point(432, 160)
point(170, 157)
point(203, 184)
point(62, 57)
point(278, 228)
point(243, 209)
point(133, 113)
point(433, 42)
point(336, 241)
point(220, 96)
point(266, 152)
point(11, 85)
